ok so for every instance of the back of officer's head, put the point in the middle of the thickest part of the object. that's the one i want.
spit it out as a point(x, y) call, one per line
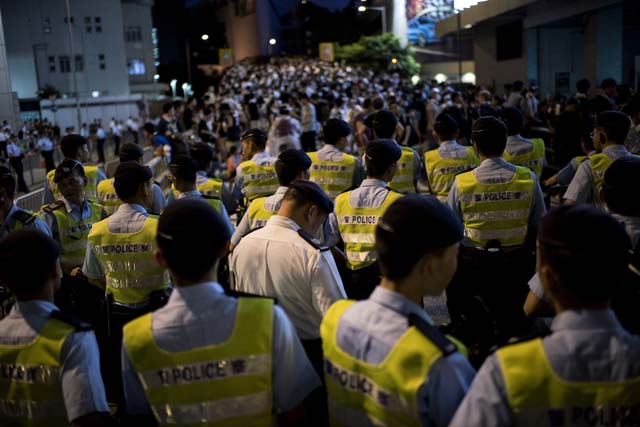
point(620, 188)
point(257, 137)
point(335, 129)
point(380, 155)
point(615, 125)
point(67, 168)
point(412, 227)
point(202, 153)
point(128, 178)
point(191, 237)
point(583, 251)
point(446, 127)
point(303, 192)
point(290, 164)
point(489, 134)
point(27, 261)
point(383, 123)
point(184, 168)
point(7, 183)
point(130, 152)
point(514, 119)
point(70, 143)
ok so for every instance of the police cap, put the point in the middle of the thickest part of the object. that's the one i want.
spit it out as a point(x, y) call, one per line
point(66, 168)
point(335, 129)
point(130, 151)
point(70, 143)
point(313, 193)
point(183, 165)
point(445, 124)
point(294, 158)
point(255, 134)
point(383, 152)
point(131, 174)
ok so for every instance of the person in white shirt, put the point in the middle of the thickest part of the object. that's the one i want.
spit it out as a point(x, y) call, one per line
point(45, 146)
point(15, 159)
point(102, 136)
point(284, 133)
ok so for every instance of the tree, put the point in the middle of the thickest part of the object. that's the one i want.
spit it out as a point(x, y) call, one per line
point(48, 91)
point(378, 53)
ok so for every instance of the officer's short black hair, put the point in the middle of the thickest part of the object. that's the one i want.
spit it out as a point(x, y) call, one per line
point(128, 178)
point(445, 126)
point(379, 155)
point(70, 143)
point(192, 236)
point(620, 187)
point(377, 103)
point(289, 164)
point(184, 168)
point(67, 168)
point(383, 123)
point(149, 128)
point(258, 137)
point(27, 260)
point(335, 129)
point(490, 136)
point(608, 83)
point(413, 226)
point(7, 182)
point(202, 153)
point(586, 248)
point(302, 191)
point(615, 124)
point(517, 85)
point(130, 151)
point(514, 119)
point(583, 85)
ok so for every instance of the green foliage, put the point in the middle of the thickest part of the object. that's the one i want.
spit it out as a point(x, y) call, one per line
point(48, 91)
point(377, 52)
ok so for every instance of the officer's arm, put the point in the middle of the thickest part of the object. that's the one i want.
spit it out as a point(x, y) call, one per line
point(537, 304)
point(243, 228)
point(92, 269)
point(236, 192)
point(326, 283)
point(452, 200)
point(101, 176)
point(41, 225)
point(580, 187)
point(227, 199)
point(331, 231)
point(486, 402)
point(137, 406)
point(159, 203)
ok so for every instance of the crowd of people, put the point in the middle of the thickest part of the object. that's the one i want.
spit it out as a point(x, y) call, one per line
point(281, 275)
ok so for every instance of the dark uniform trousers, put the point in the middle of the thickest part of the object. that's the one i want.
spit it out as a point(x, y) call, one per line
point(361, 283)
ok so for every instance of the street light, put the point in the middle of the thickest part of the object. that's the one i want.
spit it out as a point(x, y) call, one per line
point(173, 84)
point(156, 77)
point(205, 37)
point(272, 42)
point(362, 8)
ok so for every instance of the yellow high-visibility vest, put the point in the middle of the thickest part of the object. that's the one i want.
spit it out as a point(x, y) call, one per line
point(358, 229)
point(258, 181)
point(363, 394)
point(442, 171)
point(333, 177)
point(107, 196)
point(533, 160)
point(211, 188)
point(496, 211)
point(599, 163)
point(537, 396)
point(31, 390)
point(90, 191)
point(259, 213)
point(128, 260)
point(403, 179)
point(226, 384)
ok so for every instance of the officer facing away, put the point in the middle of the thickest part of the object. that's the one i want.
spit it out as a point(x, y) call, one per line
point(13, 218)
point(255, 176)
point(586, 372)
point(521, 151)
point(243, 360)
point(49, 361)
point(370, 345)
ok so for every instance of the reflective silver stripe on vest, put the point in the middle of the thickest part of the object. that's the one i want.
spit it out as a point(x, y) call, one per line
point(498, 196)
point(206, 371)
point(29, 374)
point(344, 416)
point(358, 219)
point(362, 256)
point(138, 282)
point(32, 409)
point(358, 238)
point(332, 181)
point(213, 410)
point(129, 265)
point(254, 189)
point(485, 235)
point(494, 216)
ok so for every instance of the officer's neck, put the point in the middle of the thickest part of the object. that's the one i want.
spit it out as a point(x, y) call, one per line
point(209, 276)
point(405, 289)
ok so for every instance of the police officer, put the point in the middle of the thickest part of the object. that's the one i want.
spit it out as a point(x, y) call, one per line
point(585, 372)
point(15, 160)
point(368, 345)
point(385, 124)
point(70, 218)
point(13, 218)
point(500, 205)
point(247, 343)
point(332, 169)
point(120, 258)
point(48, 360)
point(357, 212)
point(255, 176)
point(449, 159)
point(564, 176)
point(520, 151)
point(609, 134)
point(291, 165)
point(107, 196)
point(184, 171)
point(74, 147)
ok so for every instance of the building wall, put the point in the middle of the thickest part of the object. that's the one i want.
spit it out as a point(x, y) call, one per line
point(489, 71)
point(137, 15)
point(8, 102)
point(37, 29)
point(560, 53)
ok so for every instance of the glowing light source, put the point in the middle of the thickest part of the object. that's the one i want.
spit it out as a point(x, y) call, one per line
point(415, 79)
point(272, 42)
point(156, 77)
point(440, 78)
point(469, 78)
point(362, 8)
point(205, 37)
point(95, 94)
point(394, 60)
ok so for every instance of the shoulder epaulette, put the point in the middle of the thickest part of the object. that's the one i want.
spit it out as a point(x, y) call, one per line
point(394, 190)
point(157, 183)
point(316, 243)
point(71, 320)
point(53, 206)
point(208, 197)
point(529, 337)
point(24, 217)
point(239, 294)
point(349, 189)
point(433, 334)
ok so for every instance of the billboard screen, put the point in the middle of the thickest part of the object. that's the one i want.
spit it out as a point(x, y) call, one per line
point(422, 16)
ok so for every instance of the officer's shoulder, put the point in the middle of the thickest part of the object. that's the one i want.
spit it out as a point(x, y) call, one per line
point(53, 206)
point(316, 243)
point(24, 217)
point(348, 190)
point(209, 197)
point(239, 294)
point(433, 334)
point(393, 190)
point(78, 324)
point(525, 339)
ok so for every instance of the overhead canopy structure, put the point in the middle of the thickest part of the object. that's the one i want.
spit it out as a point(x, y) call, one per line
point(478, 13)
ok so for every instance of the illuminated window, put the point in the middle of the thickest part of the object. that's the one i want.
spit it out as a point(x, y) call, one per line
point(136, 67)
